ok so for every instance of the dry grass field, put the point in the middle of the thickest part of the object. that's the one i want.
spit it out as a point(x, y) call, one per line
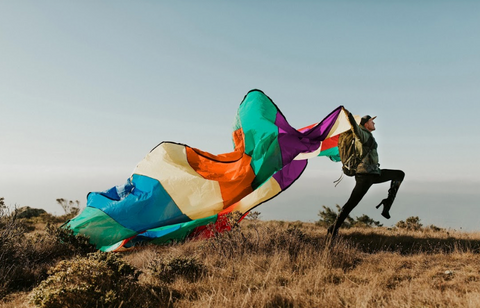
point(259, 264)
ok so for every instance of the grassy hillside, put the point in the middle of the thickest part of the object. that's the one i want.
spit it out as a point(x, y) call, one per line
point(259, 264)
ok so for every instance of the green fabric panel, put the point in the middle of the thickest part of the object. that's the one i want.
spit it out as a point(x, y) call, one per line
point(185, 229)
point(111, 247)
point(258, 115)
point(267, 161)
point(332, 153)
point(101, 228)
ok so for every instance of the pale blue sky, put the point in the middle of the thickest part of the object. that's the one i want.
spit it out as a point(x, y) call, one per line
point(87, 88)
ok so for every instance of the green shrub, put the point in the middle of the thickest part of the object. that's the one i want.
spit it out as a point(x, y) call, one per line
point(47, 218)
point(28, 212)
point(169, 268)
point(73, 244)
point(11, 233)
point(32, 216)
point(254, 216)
point(25, 260)
point(328, 217)
point(99, 280)
point(411, 223)
point(365, 221)
point(435, 228)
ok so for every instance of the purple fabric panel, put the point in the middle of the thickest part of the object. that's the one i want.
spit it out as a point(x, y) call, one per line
point(292, 142)
point(290, 173)
point(321, 130)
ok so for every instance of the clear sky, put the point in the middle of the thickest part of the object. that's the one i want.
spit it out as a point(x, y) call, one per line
point(87, 88)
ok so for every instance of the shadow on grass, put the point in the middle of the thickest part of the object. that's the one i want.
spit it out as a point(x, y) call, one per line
point(409, 244)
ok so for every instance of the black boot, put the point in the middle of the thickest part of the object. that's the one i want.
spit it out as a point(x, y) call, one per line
point(387, 202)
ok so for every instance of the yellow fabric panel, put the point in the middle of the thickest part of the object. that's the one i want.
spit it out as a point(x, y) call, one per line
point(195, 196)
point(268, 190)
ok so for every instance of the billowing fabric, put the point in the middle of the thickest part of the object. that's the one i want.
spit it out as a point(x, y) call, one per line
point(176, 190)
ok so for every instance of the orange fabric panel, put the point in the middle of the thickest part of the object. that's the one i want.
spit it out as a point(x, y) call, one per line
point(231, 170)
point(227, 157)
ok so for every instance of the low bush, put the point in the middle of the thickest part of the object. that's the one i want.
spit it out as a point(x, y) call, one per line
point(411, 223)
point(169, 268)
point(25, 258)
point(328, 217)
point(11, 232)
point(99, 280)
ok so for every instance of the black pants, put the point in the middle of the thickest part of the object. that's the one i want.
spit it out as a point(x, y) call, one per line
point(363, 184)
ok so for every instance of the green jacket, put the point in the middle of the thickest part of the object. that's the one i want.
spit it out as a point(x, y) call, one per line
point(364, 142)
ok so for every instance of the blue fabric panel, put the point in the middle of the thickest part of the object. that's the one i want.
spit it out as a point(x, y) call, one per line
point(167, 234)
point(155, 233)
point(149, 235)
point(141, 204)
point(118, 192)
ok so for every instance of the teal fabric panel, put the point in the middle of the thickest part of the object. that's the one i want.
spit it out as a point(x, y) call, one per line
point(257, 115)
point(179, 234)
point(101, 228)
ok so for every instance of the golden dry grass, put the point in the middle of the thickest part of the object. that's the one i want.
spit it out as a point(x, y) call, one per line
point(280, 264)
point(272, 265)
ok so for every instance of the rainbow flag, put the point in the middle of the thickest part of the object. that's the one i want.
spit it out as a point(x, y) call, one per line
point(176, 191)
